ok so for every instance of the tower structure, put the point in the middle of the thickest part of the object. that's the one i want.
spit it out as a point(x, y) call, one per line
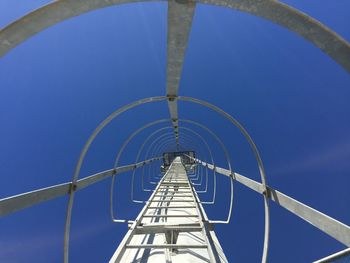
point(173, 225)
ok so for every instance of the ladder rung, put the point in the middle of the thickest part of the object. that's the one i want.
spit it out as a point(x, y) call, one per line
point(187, 185)
point(174, 246)
point(168, 187)
point(175, 196)
point(170, 216)
point(169, 201)
point(179, 192)
point(176, 179)
point(164, 229)
point(164, 224)
point(172, 195)
point(174, 183)
point(162, 207)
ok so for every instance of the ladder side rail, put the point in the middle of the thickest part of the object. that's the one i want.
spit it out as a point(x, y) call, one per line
point(212, 255)
point(116, 258)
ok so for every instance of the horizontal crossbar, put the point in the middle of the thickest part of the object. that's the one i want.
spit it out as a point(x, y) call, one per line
point(176, 184)
point(169, 187)
point(165, 229)
point(176, 192)
point(170, 216)
point(163, 207)
point(17, 202)
point(166, 195)
point(175, 246)
point(325, 223)
point(169, 201)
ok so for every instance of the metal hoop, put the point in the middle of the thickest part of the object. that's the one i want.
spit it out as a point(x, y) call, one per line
point(257, 157)
point(86, 147)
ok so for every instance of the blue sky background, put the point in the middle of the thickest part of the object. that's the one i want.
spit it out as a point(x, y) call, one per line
point(56, 87)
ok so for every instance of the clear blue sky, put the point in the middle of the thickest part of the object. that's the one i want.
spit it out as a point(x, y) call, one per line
point(56, 87)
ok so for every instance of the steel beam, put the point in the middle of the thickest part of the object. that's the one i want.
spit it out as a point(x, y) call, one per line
point(275, 11)
point(180, 14)
point(325, 223)
point(14, 203)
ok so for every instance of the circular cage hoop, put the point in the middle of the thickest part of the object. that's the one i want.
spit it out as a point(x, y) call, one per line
point(150, 124)
point(277, 12)
point(137, 103)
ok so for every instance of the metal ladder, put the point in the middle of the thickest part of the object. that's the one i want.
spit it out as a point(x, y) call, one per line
point(172, 227)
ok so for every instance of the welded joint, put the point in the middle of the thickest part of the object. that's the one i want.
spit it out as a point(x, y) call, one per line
point(208, 225)
point(171, 97)
point(130, 223)
point(267, 192)
point(72, 188)
point(233, 175)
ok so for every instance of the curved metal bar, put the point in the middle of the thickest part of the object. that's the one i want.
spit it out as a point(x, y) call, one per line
point(225, 152)
point(228, 159)
point(158, 150)
point(229, 165)
point(161, 146)
point(180, 145)
point(282, 14)
point(206, 185)
point(170, 136)
point(205, 143)
point(257, 157)
point(140, 150)
point(127, 141)
point(90, 140)
point(165, 143)
point(214, 173)
point(227, 156)
point(86, 147)
point(133, 174)
point(116, 162)
point(198, 175)
point(189, 142)
point(153, 172)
